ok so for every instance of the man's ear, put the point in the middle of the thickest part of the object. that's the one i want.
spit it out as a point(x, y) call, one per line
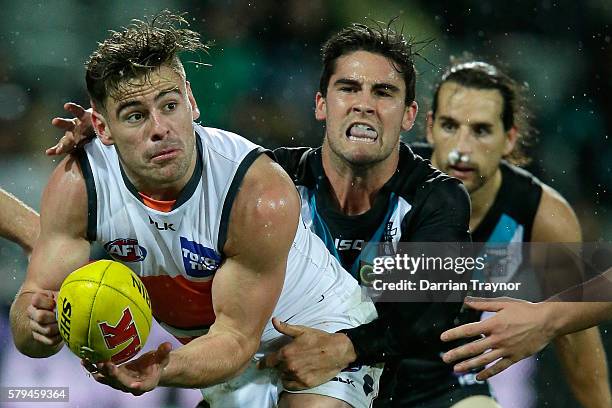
point(430, 123)
point(511, 139)
point(100, 126)
point(195, 111)
point(320, 107)
point(410, 115)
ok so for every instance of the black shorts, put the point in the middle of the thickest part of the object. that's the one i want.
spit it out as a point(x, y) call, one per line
point(432, 396)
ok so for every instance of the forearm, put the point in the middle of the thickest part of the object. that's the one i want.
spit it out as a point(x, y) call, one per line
point(22, 333)
point(570, 317)
point(584, 362)
point(401, 329)
point(18, 223)
point(208, 360)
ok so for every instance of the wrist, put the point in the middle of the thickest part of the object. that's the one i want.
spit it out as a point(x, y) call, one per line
point(348, 353)
point(552, 320)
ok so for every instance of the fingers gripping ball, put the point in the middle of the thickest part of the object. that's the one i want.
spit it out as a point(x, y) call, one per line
point(104, 312)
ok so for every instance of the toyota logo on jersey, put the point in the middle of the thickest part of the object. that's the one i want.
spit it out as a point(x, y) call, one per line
point(125, 250)
point(199, 261)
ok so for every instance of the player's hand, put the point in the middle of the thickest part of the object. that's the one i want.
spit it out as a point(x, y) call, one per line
point(518, 330)
point(312, 358)
point(137, 376)
point(77, 131)
point(43, 323)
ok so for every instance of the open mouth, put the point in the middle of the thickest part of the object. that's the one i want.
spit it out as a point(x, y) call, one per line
point(361, 132)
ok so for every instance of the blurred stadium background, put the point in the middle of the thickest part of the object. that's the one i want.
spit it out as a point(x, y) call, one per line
point(265, 71)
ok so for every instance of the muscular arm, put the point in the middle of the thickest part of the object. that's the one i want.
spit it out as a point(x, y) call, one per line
point(581, 353)
point(60, 249)
point(246, 288)
point(18, 222)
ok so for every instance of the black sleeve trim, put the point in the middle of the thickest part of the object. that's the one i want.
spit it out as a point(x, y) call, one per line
point(233, 191)
point(92, 197)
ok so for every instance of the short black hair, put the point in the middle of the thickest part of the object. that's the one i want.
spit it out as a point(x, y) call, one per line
point(136, 51)
point(482, 75)
point(382, 40)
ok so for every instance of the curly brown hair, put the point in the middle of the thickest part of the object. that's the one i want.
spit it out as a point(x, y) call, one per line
point(137, 50)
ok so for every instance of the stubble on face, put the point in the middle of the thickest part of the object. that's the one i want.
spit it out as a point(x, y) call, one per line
point(152, 128)
point(363, 110)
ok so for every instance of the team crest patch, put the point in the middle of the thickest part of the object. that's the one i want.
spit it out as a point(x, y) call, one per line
point(199, 261)
point(125, 250)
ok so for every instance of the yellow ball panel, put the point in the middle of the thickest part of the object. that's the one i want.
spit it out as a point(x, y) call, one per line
point(104, 312)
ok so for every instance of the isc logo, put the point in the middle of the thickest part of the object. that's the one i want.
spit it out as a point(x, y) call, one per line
point(346, 244)
point(126, 250)
point(124, 330)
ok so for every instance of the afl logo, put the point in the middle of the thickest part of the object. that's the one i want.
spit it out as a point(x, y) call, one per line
point(125, 250)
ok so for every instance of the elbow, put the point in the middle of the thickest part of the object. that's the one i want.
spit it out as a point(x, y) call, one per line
point(245, 350)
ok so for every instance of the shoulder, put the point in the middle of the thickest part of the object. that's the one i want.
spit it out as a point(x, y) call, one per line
point(267, 206)
point(520, 178)
point(555, 220)
point(67, 183)
point(298, 162)
point(64, 199)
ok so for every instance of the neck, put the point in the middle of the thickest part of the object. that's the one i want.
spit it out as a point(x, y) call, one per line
point(355, 188)
point(160, 189)
point(483, 198)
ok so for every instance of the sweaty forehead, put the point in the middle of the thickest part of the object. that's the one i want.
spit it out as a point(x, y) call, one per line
point(368, 67)
point(469, 104)
point(147, 86)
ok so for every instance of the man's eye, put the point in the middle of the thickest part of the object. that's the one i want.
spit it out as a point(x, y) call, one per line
point(171, 106)
point(481, 131)
point(347, 89)
point(449, 127)
point(134, 117)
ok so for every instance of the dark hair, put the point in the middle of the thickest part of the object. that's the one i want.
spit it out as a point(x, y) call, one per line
point(481, 75)
point(381, 40)
point(137, 50)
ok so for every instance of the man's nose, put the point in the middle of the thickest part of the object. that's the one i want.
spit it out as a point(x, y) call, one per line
point(364, 104)
point(159, 128)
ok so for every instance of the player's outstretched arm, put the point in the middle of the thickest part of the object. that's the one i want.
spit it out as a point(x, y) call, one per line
point(517, 330)
point(245, 290)
point(18, 222)
point(77, 130)
point(60, 249)
point(520, 329)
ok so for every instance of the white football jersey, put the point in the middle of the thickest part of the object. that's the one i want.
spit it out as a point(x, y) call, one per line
point(177, 253)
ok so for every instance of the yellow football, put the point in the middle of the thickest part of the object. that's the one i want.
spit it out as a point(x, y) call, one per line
point(104, 312)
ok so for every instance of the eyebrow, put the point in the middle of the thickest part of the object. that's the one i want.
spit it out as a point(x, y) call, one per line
point(133, 102)
point(472, 124)
point(377, 86)
point(388, 87)
point(346, 81)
